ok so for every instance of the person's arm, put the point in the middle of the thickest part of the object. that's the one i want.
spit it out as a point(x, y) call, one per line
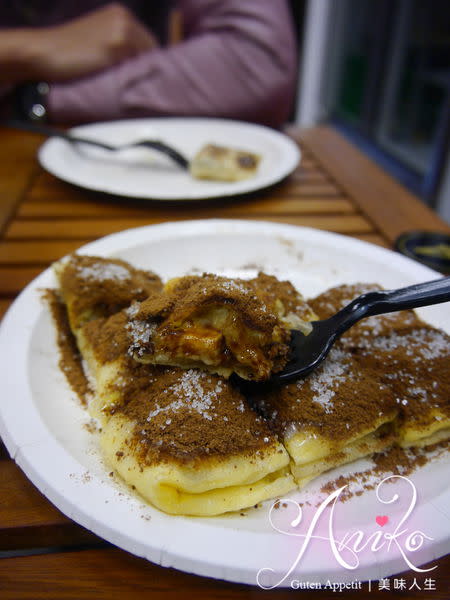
point(238, 60)
point(78, 48)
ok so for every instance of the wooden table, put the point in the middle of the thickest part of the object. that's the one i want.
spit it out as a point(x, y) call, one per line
point(336, 188)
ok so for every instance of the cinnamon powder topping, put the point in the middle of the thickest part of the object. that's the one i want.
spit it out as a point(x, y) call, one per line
point(108, 337)
point(410, 357)
point(70, 360)
point(96, 287)
point(187, 415)
point(191, 294)
point(393, 461)
point(415, 365)
point(337, 401)
point(282, 297)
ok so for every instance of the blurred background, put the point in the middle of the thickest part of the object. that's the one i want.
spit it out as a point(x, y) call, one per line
point(379, 71)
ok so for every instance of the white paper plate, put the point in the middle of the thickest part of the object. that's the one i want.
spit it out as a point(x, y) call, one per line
point(44, 429)
point(143, 173)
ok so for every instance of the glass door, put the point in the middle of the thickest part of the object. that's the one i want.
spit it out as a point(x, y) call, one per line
point(389, 85)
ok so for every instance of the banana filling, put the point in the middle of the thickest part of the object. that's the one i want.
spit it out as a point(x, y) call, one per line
point(218, 324)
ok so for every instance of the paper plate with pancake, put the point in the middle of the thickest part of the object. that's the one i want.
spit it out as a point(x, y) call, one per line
point(57, 442)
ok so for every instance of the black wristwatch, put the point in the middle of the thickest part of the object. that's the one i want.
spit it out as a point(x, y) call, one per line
point(31, 101)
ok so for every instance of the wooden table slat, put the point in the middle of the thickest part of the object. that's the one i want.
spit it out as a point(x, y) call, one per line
point(41, 252)
point(90, 228)
point(386, 202)
point(110, 574)
point(303, 180)
point(277, 204)
point(21, 504)
point(17, 167)
point(14, 279)
point(373, 238)
point(28, 520)
point(4, 305)
point(310, 175)
point(36, 253)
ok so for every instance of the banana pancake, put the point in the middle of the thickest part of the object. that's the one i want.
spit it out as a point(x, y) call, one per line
point(186, 439)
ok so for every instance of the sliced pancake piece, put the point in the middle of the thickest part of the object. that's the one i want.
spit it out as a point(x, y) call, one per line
point(411, 357)
point(190, 445)
point(93, 287)
point(220, 324)
point(185, 439)
point(331, 301)
point(416, 365)
point(338, 414)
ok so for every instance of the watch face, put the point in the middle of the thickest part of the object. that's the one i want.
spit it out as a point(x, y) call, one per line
point(431, 249)
point(31, 101)
point(37, 112)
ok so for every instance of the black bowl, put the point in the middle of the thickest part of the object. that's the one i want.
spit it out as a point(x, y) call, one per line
point(427, 247)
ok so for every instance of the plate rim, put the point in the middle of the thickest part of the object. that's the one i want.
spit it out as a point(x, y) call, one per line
point(246, 187)
point(25, 457)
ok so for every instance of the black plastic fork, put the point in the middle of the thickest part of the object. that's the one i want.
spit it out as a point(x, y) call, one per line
point(157, 145)
point(308, 351)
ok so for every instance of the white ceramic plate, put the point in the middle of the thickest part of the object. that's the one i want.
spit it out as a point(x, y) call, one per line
point(43, 425)
point(144, 173)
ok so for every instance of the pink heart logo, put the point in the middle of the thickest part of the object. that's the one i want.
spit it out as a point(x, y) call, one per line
point(382, 520)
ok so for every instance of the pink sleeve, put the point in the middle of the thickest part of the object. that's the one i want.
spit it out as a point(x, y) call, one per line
point(237, 60)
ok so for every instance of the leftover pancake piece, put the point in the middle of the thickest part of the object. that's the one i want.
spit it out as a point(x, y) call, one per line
point(337, 414)
point(224, 164)
point(333, 300)
point(415, 364)
point(93, 287)
point(219, 324)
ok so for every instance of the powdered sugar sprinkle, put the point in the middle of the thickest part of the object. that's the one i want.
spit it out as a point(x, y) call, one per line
point(104, 272)
point(327, 379)
point(189, 392)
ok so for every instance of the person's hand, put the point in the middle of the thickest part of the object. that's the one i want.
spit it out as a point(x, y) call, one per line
point(80, 47)
point(90, 43)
